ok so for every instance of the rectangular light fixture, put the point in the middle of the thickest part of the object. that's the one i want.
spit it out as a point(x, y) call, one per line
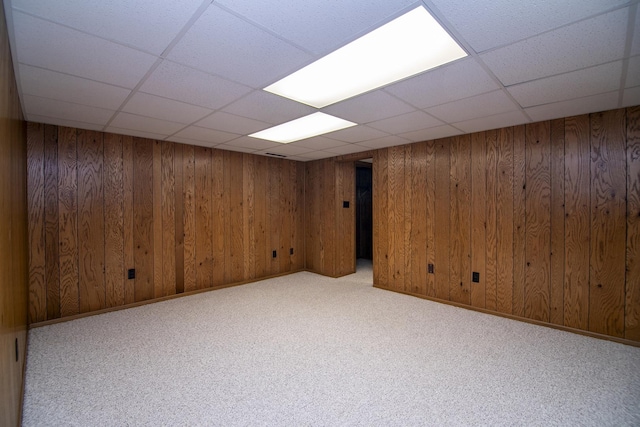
point(408, 45)
point(305, 127)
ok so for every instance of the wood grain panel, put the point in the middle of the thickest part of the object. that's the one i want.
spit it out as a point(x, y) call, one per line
point(248, 216)
point(157, 220)
point(418, 244)
point(538, 226)
point(345, 217)
point(460, 217)
point(396, 217)
point(168, 220)
point(577, 224)
point(235, 254)
point(285, 209)
point(608, 225)
point(260, 218)
point(441, 267)
point(35, 198)
point(143, 218)
point(556, 295)
point(298, 217)
point(504, 221)
point(519, 219)
point(380, 217)
point(68, 215)
point(407, 221)
point(430, 196)
point(220, 218)
point(204, 217)
point(178, 163)
point(114, 270)
point(127, 216)
point(327, 217)
point(51, 221)
point(632, 303)
point(492, 212)
point(189, 221)
point(478, 216)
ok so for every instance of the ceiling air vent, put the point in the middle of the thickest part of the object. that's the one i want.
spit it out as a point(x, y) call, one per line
point(275, 155)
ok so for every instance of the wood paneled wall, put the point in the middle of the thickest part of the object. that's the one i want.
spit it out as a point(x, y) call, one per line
point(13, 239)
point(547, 213)
point(185, 217)
point(330, 227)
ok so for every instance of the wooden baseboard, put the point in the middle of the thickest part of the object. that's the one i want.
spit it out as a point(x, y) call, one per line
point(518, 318)
point(151, 301)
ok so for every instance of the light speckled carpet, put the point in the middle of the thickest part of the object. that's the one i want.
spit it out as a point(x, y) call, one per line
point(309, 350)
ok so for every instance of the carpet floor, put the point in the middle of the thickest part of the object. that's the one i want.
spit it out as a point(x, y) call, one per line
point(305, 349)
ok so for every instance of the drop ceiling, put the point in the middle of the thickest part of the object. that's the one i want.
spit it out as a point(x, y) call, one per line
point(192, 71)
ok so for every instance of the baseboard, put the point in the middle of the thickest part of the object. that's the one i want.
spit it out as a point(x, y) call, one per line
point(518, 318)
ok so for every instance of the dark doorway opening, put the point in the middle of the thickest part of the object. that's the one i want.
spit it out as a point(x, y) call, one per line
point(364, 210)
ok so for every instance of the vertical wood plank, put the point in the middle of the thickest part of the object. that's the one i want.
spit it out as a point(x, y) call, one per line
point(220, 217)
point(556, 296)
point(408, 219)
point(285, 213)
point(299, 217)
point(396, 217)
point(478, 216)
point(418, 188)
point(189, 221)
point(168, 207)
point(260, 202)
point(492, 212)
point(504, 221)
point(442, 163)
point(113, 221)
point(204, 218)
point(345, 218)
point(608, 228)
point(51, 221)
point(519, 219)
point(179, 215)
point(248, 215)
point(380, 217)
point(157, 220)
point(143, 218)
point(460, 202)
point(235, 260)
point(35, 200)
point(538, 228)
point(68, 216)
point(430, 196)
point(328, 201)
point(127, 214)
point(577, 224)
point(632, 303)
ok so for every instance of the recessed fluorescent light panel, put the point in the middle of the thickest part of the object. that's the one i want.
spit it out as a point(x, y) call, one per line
point(408, 45)
point(305, 127)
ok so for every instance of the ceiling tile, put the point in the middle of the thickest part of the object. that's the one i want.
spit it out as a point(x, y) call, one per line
point(46, 45)
point(266, 107)
point(188, 141)
point(147, 24)
point(633, 71)
point(431, 133)
point(318, 143)
point(163, 108)
point(138, 133)
point(356, 134)
point(493, 122)
point(145, 124)
point(49, 84)
point(347, 149)
point(487, 104)
point(387, 141)
point(574, 107)
point(369, 107)
point(235, 148)
point(35, 105)
point(231, 123)
point(577, 84)
point(206, 135)
point(461, 79)
point(590, 42)
point(238, 47)
point(507, 21)
point(406, 123)
point(63, 122)
point(252, 143)
point(635, 42)
point(316, 155)
point(631, 97)
point(287, 150)
point(319, 26)
point(185, 84)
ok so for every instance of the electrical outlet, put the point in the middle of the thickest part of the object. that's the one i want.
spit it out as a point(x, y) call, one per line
point(131, 273)
point(345, 204)
point(475, 277)
point(430, 268)
point(291, 251)
point(274, 254)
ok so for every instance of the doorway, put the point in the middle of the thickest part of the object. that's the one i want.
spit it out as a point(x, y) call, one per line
point(364, 210)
